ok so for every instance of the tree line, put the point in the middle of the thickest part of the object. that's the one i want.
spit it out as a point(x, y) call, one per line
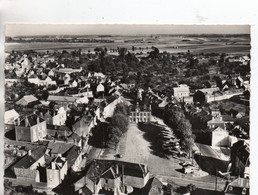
point(175, 118)
point(107, 134)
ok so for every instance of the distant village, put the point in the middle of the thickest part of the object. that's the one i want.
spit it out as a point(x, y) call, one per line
point(61, 119)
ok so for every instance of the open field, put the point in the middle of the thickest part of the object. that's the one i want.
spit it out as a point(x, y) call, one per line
point(172, 44)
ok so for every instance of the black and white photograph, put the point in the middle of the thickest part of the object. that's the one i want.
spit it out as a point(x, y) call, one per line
point(127, 109)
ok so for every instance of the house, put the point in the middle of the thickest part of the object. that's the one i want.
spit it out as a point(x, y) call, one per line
point(153, 187)
point(216, 120)
point(220, 137)
point(83, 100)
point(83, 125)
point(140, 114)
point(181, 91)
point(85, 92)
point(51, 73)
point(26, 169)
point(56, 117)
point(56, 171)
point(34, 79)
point(58, 148)
point(238, 186)
point(48, 81)
point(108, 174)
point(100, 88)
point(30, 128)
point(27, 100)
point(236, 113)
point(188, 100)
point(75, 139)
point(74, 158)
point(240, 153)
point(56, 132)
point(62, 100)
point(109, 105)
point(74, 84)
point(209, 91)
point(10, 116)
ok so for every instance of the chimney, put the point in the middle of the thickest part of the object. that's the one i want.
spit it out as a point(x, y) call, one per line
point(53, 165)
point(26, 121)
point(18, 121)
point(38, 120)
point(117, 169)
point(29, 152)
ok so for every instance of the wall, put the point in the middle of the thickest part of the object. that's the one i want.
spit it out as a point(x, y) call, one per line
point(109, 109)
point(77, 162)
point(134, 181)
point(38, 131)
point(40, 161)
point(22, 134)
point(59, 119)
point(134, 118)
point(222, 97)
point(53, 178)
point(27, 174)
point(220, 138)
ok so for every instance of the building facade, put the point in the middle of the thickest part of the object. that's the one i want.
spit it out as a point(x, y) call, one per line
point(30, 129)
point(140, 114)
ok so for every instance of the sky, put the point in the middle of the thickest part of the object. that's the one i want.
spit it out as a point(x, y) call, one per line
point(119, 29)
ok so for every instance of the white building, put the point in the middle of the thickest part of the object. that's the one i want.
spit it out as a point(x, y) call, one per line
point(100, 88)
point(220, 137)
point(181, 91)
point(10, 116)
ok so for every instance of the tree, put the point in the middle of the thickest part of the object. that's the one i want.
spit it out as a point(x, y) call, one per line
point(188, 144)
point(122, 51)
point(122, 108)
point(120, 121)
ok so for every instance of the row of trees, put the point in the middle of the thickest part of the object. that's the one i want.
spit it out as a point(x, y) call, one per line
point(108, 134)
point(118, 124)
point(175, 118)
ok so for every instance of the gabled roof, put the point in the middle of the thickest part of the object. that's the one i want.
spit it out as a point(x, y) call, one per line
point(33, 76)
point(28, 160)
point(31, 120)
point(28, 99)
point(129, 169)
point(11, 114)
point(71, 155)
point(153, 187)
point(62, 98)
point(109, 173)
point(218, 129)
point(59, 147)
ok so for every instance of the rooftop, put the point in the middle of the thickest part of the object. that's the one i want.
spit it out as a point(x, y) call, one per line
point(28, 160)
point(30, 120)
